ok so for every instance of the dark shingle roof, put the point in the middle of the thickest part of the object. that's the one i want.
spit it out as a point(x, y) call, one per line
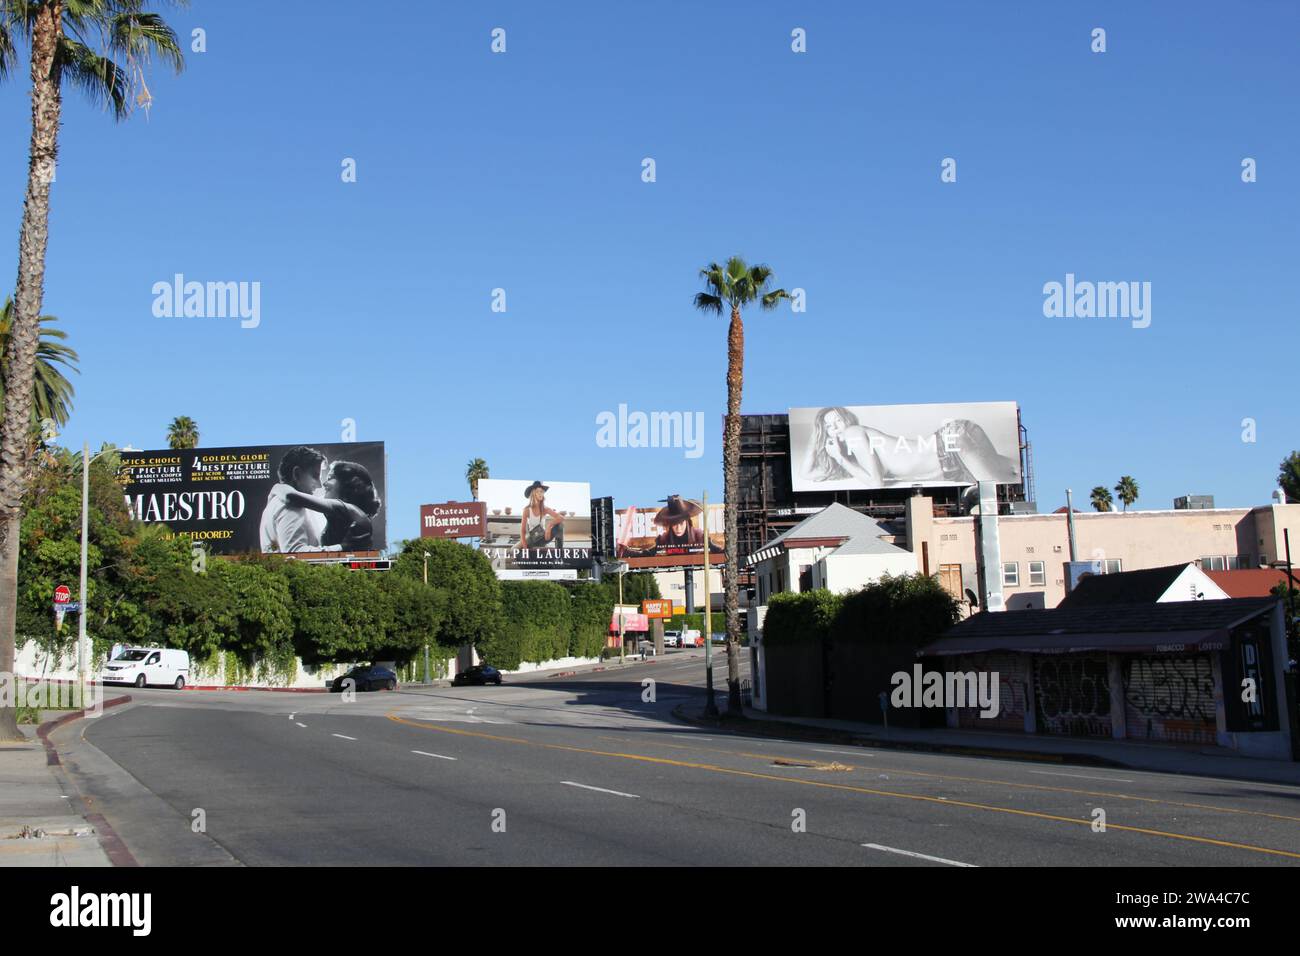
point(1126, 587)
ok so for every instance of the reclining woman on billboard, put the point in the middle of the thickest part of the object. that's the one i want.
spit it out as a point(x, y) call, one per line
point(960, 453)
point(350, 502)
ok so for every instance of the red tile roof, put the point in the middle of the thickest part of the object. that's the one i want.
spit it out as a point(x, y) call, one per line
point(1251, 582)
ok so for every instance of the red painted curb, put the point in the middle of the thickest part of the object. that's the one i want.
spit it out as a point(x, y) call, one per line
point(109, 841)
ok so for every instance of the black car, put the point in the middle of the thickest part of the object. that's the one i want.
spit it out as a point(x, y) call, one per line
point(367, 678)
point(483, 674)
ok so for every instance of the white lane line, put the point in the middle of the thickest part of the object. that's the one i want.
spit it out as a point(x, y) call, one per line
point(1081, 776)
point(292, 716)
point(692, 737)
point(617, 793)
point(849, 753)
point(919, 856)
point(344, 736)
point(300, 724)
point(423, 753)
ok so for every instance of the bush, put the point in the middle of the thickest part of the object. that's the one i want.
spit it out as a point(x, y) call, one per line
point(592, 607)
point(536, 625)
point(800, 618)
point(696, 622)
point(906, 609)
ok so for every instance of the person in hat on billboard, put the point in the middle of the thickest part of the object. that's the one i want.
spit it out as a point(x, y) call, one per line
point(678, 532)
point(533, 529)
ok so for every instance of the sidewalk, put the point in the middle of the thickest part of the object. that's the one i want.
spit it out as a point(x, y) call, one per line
point(1201, 761)
point(40, 813)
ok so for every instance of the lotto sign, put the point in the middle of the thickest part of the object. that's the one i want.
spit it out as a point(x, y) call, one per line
point(62, 594)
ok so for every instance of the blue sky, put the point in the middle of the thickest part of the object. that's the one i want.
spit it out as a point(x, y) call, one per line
point(522, 171)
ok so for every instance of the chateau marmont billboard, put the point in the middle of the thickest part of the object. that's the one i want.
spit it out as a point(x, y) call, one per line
point(263, 498)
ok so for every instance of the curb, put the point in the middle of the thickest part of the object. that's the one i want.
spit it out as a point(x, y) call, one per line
point(114, 848)
point(751, 727)
point(271, 690)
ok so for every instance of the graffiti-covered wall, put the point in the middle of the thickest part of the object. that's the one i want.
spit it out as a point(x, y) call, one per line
point(1073, 695)
point(1013, 691)
point(1169, 698)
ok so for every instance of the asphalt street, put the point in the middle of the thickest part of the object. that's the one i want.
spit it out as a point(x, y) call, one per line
point(594, 769)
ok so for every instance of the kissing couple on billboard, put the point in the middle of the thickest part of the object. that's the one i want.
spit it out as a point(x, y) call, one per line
point(297, 518)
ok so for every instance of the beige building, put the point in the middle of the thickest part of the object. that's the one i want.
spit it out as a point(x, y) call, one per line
point(1035, 549)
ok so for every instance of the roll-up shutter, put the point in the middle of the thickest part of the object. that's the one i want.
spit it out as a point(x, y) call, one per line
point(1013, 690)
point(1073, 694)
point(1170, 698)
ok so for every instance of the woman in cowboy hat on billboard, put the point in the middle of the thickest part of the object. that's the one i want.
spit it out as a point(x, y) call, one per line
point(533, 531)
point(679, 534)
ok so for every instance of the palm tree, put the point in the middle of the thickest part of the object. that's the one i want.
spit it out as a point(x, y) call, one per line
point(183, 432)
point(1101, 499)
point(101, 47)
point(52, 392)
point(1288, 476)
point(734, 285)
point(474, 471)
point(1127, 489)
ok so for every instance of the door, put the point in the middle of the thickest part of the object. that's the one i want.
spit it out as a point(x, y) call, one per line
point(153, 669)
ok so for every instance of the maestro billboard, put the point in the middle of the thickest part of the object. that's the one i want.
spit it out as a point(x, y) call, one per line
point(904, 446)
point(668, 535)
point(537, 529)
point(263, 498)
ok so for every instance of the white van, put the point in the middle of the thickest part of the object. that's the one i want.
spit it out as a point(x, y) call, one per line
point(147, 665)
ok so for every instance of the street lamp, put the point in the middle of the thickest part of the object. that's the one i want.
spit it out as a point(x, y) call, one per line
point(620, 568)
point(85, 524)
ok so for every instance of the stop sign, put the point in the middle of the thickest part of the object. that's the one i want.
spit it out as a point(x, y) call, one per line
point(62, 594)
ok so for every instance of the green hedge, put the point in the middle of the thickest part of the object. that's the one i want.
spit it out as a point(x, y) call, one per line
point(799, 618)
point(592, 609)
point(907, 609)
point(681, 622)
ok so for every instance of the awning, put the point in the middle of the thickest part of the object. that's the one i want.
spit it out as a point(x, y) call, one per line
point(1150, 642)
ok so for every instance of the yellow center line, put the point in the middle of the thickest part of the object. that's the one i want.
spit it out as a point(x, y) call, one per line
point(940, 801)
point(1004, 783)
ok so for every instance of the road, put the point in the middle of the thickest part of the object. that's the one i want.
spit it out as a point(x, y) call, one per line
point(582, 770)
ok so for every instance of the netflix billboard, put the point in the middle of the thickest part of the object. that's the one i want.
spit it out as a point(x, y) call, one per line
point(454, 519)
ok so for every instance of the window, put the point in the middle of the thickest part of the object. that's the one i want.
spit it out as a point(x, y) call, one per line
point(1010, 574)
point(1113, 566)
point(1213, 562)
point(1037, 574)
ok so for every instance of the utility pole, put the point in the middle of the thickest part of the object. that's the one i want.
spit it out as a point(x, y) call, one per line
point(710, 703)
point(621, 568)
point(426, 639)
point(1069, 523)
point(85, 524)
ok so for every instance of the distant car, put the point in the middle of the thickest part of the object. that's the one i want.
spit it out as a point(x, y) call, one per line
point(147, 665)
point(367, 678)
point(672, 638)
point(483, 674)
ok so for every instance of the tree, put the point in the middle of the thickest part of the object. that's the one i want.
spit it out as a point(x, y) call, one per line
point(52, 392)
point(477, 469)
point(101, 47)
point(473, 606)
point(1127, 489)
point(735, 285)
point(1101, 499)
point(1288, 477)
point(183, 432)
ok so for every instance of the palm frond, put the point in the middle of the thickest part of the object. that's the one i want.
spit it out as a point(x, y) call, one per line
point(99, 77)
point(708, 303)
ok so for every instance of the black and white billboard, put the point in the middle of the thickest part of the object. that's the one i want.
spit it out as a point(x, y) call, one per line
point(263, 498)
point(904, 446)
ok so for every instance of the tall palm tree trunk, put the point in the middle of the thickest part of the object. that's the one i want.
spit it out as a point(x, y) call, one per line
point(731, 494)
point(20, 360)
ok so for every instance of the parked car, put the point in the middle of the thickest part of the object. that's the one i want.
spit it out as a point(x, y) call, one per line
point(144, 666)
point(367, 678)
point(483, 674)
point(672, 638)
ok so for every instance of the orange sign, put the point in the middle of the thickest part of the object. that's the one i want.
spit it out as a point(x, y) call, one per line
point(657, 608)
